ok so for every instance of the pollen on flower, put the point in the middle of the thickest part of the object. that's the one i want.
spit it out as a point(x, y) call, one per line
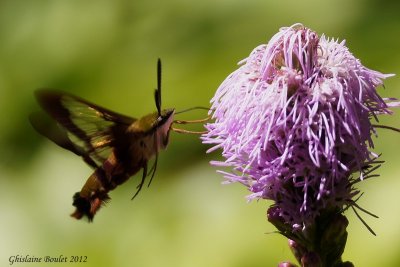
point(293, 123)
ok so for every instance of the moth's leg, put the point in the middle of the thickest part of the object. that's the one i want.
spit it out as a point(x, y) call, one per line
point(154, 167)
point(153, 170)
point(140, 185)
point(193, 121)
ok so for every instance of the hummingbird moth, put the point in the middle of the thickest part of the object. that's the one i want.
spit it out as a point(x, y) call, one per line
point(114, 145)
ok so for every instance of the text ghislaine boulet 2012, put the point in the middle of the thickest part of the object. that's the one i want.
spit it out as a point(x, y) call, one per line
point(47, 259)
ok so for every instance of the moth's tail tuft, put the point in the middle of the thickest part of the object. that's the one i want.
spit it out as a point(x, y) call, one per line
point(87, 207)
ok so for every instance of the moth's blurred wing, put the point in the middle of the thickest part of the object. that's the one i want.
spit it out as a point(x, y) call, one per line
point(86, 129)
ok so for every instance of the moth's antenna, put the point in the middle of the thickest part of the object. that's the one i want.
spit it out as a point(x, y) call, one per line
point(157, 92)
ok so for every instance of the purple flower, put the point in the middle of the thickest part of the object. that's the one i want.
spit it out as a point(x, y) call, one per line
point(293, 122)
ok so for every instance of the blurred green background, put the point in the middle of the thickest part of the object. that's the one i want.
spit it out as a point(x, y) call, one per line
point(106, 51)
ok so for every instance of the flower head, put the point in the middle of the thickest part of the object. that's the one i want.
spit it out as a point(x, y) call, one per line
point(293, 121)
